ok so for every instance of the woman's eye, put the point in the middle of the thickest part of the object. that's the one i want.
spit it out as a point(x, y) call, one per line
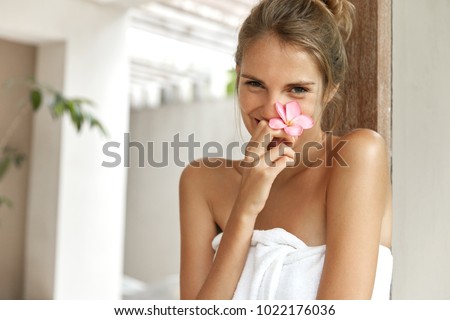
point(255, 84)
point(298, 90)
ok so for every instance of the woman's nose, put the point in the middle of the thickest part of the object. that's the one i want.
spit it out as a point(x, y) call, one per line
point(270, 111)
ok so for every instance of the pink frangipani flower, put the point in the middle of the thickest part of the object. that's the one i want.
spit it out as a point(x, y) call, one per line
point(291, 119)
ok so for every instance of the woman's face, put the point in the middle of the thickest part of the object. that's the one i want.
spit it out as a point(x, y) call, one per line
point(271, 72)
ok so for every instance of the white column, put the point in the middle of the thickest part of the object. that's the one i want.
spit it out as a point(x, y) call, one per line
point(92, 198)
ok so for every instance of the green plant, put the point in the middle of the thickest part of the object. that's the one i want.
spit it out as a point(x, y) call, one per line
point(231, 85)
point(58, 105)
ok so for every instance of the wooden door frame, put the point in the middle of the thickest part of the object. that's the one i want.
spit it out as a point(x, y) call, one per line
point(368, 86)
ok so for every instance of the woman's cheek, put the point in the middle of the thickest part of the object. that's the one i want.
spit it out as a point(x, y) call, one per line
point(244, 105)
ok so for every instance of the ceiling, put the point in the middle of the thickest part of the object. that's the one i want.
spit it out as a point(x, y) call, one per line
point(211, 23)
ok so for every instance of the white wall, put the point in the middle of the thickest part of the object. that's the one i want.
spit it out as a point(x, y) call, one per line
point(92, 198)
point(76, 207)
point(421, 152)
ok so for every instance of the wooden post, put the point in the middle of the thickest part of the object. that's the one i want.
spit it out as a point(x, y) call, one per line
point(368, 84)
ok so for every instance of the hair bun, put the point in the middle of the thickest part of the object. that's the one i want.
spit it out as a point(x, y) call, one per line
point(343, 12)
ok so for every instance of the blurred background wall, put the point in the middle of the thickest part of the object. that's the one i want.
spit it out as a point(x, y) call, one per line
point(16, 61)
point(421, 153)
point(152, 225)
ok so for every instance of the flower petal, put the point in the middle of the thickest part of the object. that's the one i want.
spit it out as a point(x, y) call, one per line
point(294, 131)
point(292, 110)
point(281, 111)
point(303, 121)
point(276, 123)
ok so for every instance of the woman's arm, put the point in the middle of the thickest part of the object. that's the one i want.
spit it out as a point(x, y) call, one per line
point(356, 202)
point(197, 231)
point(201, 277)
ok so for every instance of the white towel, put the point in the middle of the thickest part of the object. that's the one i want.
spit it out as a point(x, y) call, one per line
point(281, 266)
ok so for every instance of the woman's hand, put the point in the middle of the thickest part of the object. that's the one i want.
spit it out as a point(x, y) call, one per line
point(267, 154)
point(205, 275)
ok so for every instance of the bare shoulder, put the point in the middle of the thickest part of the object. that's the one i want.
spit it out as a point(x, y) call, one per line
point(362, 148)
point(363, 141)
point(205, 174)
point(361, 184)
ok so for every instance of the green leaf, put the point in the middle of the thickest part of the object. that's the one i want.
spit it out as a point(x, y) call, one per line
point(57, 106)
point(6, 201)
point(231, 85)
point(74, 118)
point(58, 109)
point(79, 123)
point(36, 99)
point(18, 159)
point(77, 115)
point(4, 165)
point(96, 123)
point(88, 117)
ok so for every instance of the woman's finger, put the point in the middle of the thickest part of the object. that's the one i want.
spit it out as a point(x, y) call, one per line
point(280, 151)
point(265, 138)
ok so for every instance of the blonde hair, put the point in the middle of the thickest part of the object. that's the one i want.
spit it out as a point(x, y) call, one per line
point(321, 28)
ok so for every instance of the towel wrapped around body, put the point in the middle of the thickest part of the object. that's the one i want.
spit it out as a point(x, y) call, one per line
point(280, 266)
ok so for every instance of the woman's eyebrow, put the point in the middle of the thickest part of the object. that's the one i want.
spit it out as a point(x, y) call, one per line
point(301, 83)
point(297, 83)
point(248, 76)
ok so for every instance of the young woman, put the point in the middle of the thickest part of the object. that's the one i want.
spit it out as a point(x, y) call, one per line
point(308, 217)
